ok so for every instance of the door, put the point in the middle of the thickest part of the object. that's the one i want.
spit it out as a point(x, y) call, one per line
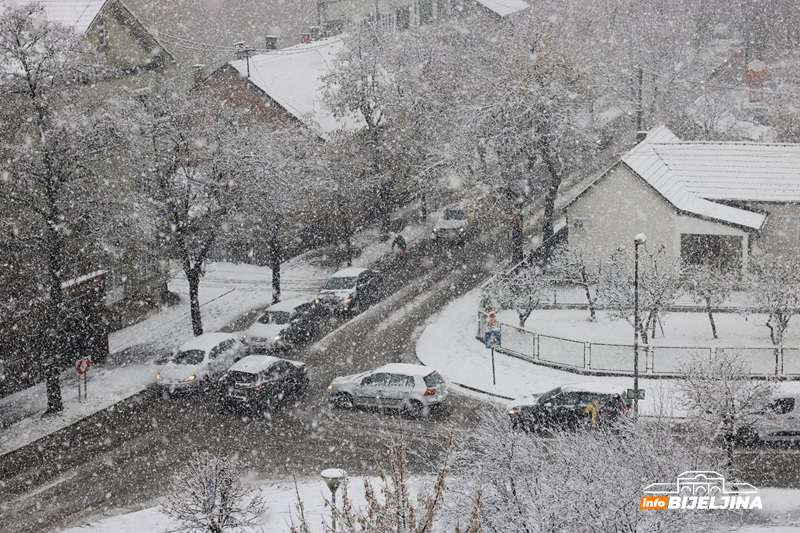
point(372, 390)
point(398, 390)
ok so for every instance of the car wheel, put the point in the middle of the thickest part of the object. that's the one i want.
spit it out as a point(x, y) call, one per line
point(344, 401)
point(414, 409)
point(747, 437)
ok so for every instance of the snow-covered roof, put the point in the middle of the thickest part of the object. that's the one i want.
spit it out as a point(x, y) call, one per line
point(206, 341)
point(287, 305)
point(77, 14)
point(657, 160)
point(293, 78)
point(349, 272)
point(253, 364)
point(405, 368)
point(504, 7)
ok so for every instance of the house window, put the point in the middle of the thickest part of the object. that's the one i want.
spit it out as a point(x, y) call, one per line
point(403, 16)
point(426, 11)
point(102, 35)
point(719, 251)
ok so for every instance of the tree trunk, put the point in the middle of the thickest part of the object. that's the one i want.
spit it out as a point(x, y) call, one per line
point(52, 356)
point(517, 241)
point(275, 258)
point(423, 207)
point(193, 277)
point(548, 226)
point(589, 299)
point(711, 319)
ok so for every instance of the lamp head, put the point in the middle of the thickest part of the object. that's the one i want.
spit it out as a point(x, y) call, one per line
point(333, 477)
point(640, 238)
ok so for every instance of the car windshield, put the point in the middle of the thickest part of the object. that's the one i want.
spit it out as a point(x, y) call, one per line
point(189, 357)
point(340, 283)
point(275, 317)
point(433, 379)
point(547, 396)
point(455, 214)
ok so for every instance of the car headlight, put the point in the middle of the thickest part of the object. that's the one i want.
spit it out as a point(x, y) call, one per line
point(158, 376)
point(191, 378)
point(277, 337)
point(347, 300)
point(245, 339)
point(513, 411)
point(317, 301)
point(330, 387)
point(435, 230)
point(461, 230)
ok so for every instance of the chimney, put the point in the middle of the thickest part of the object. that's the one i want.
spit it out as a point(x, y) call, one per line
point(271, 42)
point(199, 72)
point(240, 50)
point(640, 136)
point(305, 38)
point(315, 33)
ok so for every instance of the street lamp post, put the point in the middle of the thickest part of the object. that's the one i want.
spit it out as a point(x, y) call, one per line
point(637, 241)
point(333, 477)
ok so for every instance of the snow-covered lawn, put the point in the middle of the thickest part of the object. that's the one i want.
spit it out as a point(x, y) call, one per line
point(448, 343)
point(680, 329)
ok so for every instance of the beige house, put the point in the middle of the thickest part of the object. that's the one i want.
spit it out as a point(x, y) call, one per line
point(705, 202)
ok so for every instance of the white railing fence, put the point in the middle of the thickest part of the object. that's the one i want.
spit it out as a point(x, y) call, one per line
point(602, 358)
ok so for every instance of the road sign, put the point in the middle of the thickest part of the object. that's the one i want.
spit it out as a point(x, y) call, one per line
point(492, 339)
point(637, 394)
point(83, 365)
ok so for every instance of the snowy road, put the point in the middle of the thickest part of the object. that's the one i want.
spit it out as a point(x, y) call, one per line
point(120, 459)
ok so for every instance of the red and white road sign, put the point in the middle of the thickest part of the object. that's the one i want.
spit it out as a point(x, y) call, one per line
point(83, 365)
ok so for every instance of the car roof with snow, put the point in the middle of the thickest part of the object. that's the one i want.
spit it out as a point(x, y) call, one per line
point(407, 369)
point(595, 387)
point(206, 341)
point(349, 272)
point(287, 305)
point(254, 364)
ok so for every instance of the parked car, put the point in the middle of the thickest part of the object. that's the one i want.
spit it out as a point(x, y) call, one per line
point(779, 423)
point(565, 407)
point(283, 326)
point(414, 389)
point(197, 363)
point(453, 226)
point(351, 291)
point(259, 381)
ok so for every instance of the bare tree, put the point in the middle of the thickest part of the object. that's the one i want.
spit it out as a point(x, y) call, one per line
point(711, 287)
point(209, 496)
point(660, 281)
point(522, 290)
point(64, 164)
point(207, 173)
point(567, 265)
point(774, 284)
point(723, 399)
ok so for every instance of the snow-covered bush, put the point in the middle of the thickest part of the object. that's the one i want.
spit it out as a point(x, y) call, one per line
point(586, 481)
point(208, 496)
point(774, 285)
point(722, 399)
point(710, 287)
point(522, 290)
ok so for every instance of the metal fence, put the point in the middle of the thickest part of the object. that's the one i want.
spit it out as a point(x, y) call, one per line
point(617, 359)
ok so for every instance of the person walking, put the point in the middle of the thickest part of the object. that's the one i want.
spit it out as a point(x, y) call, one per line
point(401, 245)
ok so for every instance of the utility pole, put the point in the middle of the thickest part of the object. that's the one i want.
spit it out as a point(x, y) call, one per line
point(639, 106)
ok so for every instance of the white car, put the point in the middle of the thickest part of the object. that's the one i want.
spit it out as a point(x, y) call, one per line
point(198, 363)
point(282, 325)
point(350, 291)
point(780, 422)
point(453, 226)
point(414, 389)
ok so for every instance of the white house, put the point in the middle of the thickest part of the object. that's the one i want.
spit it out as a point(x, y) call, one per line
point(706, 202)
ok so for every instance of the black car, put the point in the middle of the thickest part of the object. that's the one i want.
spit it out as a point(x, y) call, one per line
point(568, 408)
point(261, 381)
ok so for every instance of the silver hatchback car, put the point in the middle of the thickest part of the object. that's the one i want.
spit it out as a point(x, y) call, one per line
point(413, 389)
